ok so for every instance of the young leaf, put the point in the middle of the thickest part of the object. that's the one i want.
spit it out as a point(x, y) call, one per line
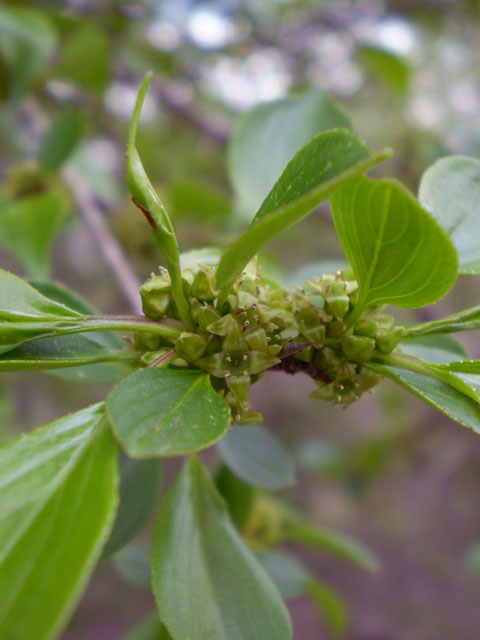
point(450, 191)
point(139, 486)
point(145, 197)
point(64, 134)
point(441, 396)
point(257, 457)
point(162, 412)
point(400, 255)
point(28, 227)
point(57, 505)
point(269, 135)
point(320, 168)
point(206, 582)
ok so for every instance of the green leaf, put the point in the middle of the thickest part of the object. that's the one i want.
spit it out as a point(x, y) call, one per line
point(206, 582)
point(150, 628)
point(162, 412)
point(400, 255)
point(238, 495)
point(20, 301)
point(293, 580)
point(64, 352)
point(441, 396)
point(27, 41)
point(107, 347)
point(466, 320)
point(267, 137)
point(437, 349)
point(331, 541)
point(390, 68)
point(132, 563)
point(290, 578)
point(321, 167)
point(62, 137)
point(208, 256)
point(331, 605)
point(197, 200)
point(86, 57)
point(57, 506)
point(146, 198)
point(257, 457)
point(450, 191)
point(139, 486)
point(28, 227)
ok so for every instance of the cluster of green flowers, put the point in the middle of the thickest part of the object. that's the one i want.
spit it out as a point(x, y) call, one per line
point(262, 325)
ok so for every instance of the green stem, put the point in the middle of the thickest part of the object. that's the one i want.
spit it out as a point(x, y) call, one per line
point(146, 199)
point(126, 323)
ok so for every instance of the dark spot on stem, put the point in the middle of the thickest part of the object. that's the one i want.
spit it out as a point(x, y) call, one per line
point(146, 213)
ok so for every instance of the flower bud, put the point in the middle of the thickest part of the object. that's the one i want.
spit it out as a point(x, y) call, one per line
point(336, 328)
point(234, 343)
point(155, 294)
point(315, 335)
point(367, 328)
point(239, 387)
point(387, 339)
point(258, 361)
point(190, 346)
point(203, 285)
point(358, 348)
point(338, 305)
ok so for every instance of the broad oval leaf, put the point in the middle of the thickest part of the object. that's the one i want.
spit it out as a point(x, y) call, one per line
point(58, 495)
point(441, 396)
point(206, 582)
point(139, 486)
point(162, 412)
point(321, 167)
point(267, 137)
point(450, 191)
point(400, 255)
point(257, 457)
